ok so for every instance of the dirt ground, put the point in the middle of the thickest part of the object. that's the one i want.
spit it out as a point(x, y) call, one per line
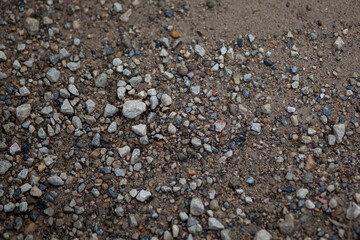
point(255, 175)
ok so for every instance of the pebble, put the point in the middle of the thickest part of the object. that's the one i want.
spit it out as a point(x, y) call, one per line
point(309, 204)
point(31, 25)
point(53, 75)
point(66, 107)
point(110, 110)
point(200, 50)
point(55, 180)
point(262, 235)
point(301, 193)
point(196, 207)
point(214, 224)
point(143, 195)
point(4, 166)
point(339, 43)
point(23, 112)
point(133, 108)
point(101, 81)
point(339, 130)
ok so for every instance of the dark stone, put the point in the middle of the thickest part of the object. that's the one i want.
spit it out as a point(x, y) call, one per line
point(267, 62)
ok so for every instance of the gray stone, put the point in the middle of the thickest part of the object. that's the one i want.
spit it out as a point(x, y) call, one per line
point(73, 90)
point(73, 66)
point(266, 109)
point(31, 25)
point(53, 75)
point(55, 180)
point(339, 43)
point(287, 227)
point(182, 69)
point(168, 236)
point(3, 57)
point(331, 140)
point(14, 149)
point(66, 107)
point(133, 108)
point(196, 207)
point(4, 166)
point(101, 80)
point(251, 38)
point(110, 110)
point(247, 77)
point(214, 224)
point(262, 235)
point(309, 204)
point(112, 127)
point(301, 193)
point(9, 207)
point(166, 99)
point(121, 92)
point(124, 151)
point(339, 130)
point(200, 50)
point(195, 90)
point(119, 211)
point(35, 192)
point(143, 196)
point(139, 129)
point(225, 234)
point(196, 142)
point(353, 211)
point(96, 140)
point(256, 127)
point(132, 221)
point(90, 105)
point(23, 111)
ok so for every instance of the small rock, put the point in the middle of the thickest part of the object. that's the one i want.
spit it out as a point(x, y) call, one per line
point(133, 108)
point(309, 204)
point(262, 235)
point(66, 107)
point(353, 211)
point(339, 130)
point(139, 129)
point(287, 227)
point(214, 224)
point(31, 25)
point(101, 81)
point(110, 110)
point(196, 207)
point(4, 166)
point(55, 180)
point(339, 43)
point(143, 196)
point(166, 99)
point(200, 50)
point(23, 111)
point(53, 75)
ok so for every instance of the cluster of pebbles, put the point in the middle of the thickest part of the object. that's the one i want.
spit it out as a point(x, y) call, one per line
point(164, 138)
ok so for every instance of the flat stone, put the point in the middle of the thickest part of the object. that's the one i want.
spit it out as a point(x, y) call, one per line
point(55, 180)
point(90, 105)
point(196, 207)
point(220, 125)
point(196, 142)
point(262, 235)
point(66, 107)
point(53, 75)
point(256, 127)
point(133, 108)
point(200, 50)
point(166, 99)
point(309, 204)
point(4, 166)
point(35, 192)
point(124, 151)
point(9, 207)
point(3, 57)
point(139, 129)
point(339, 130)
point(73, 66)
point(101, 81)
point(214, 224)
point(339, 43)
point(31, 25)
point(14, 148)
point(143, 196)
point(301, 193)
point(110, 110)
point(287, 227)
point(23, 111)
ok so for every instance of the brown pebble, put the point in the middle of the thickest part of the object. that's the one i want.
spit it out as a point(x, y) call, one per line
point(175, 34)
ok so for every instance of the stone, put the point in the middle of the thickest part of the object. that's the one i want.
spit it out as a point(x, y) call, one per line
point(101, 81)
point(214, 224)
point(225, 234)
point(200, 50)
point(110, 110)
point(35, 192)
point(339, 43)
point(139, 129)
point(143, 196)
point(90, 105)
point(266, 109)
point(220, 125)
point(133, 108)
point(331, 140)
point(301, 193)
point(4, 166)
point(53, 75)
point(31, 25)
point(287, 227)
point(121, 92)
point(262, 235)
point(196, 207)
point(66, 107)
point(9, 207)
point(132, 221)
point(119, 211)
point(166, 99)
point(339, 131)
point(55, 180)
point(73, 66)
point(353, 211)
point(251, 38)
point(96, 141)
point(3, 57)
point(171, 128)
point(256, 127)
point(309, 204)
point(182, 69)
point(73, 90)
point(23, 111)
point(247, 77)
point(196, 142)
point(14, 148)
point(124, 151)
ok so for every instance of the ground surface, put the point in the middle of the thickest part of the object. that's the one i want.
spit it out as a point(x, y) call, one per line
point(246, 124)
